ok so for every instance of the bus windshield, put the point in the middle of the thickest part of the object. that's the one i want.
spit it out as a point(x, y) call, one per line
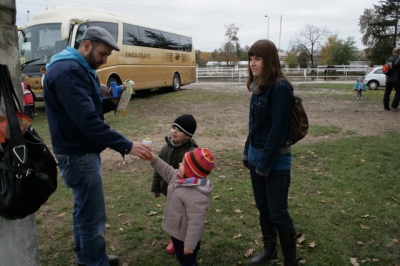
point(40, 43)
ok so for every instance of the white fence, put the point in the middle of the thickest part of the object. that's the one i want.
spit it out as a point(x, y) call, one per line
point(225, 74)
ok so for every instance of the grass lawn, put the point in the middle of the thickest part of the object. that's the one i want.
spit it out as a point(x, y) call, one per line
point(344, 199)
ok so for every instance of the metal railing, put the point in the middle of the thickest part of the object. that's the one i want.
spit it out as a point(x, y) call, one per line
point(229, 74)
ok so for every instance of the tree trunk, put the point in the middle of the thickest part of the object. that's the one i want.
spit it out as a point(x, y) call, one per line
point(18, 241)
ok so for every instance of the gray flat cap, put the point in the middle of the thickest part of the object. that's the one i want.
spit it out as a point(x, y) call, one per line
point(99, 34)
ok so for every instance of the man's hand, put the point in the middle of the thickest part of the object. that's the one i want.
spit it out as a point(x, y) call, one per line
point(141, 150)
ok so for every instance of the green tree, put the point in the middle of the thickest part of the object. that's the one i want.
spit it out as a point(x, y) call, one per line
point(338, 52)
point(242, 53)
point(379, 26)
point(309, 40)
point(202, 58)
point(291, 58)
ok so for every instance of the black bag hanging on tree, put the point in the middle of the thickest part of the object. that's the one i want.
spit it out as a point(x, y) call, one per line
point(28, 170)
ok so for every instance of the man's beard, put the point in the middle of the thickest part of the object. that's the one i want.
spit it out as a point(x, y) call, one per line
point(91, 60)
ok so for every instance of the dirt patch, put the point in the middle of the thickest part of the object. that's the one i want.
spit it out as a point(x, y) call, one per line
point(224, 126)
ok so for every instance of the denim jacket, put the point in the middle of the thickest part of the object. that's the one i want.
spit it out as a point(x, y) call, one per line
point(270, 123)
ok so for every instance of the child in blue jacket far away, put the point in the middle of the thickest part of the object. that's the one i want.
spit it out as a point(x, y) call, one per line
point(360, 87)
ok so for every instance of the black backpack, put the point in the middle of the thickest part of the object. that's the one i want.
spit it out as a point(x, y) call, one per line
point(299, 121)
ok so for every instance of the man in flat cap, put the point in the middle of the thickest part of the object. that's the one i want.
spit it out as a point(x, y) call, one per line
point(75, 108)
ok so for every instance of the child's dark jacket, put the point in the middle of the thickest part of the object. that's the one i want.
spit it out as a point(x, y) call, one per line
point(172, 155)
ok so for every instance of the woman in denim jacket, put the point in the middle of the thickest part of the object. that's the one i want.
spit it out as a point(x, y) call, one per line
point(267, 152)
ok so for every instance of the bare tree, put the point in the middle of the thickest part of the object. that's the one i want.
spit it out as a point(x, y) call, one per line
point(309, 40)
point(228, 50)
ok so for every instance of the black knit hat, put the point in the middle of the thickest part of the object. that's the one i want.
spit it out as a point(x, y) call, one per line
point(186, 123)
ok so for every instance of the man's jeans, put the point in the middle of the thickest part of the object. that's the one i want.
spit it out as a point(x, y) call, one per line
point(82, 173)
point(270, 194)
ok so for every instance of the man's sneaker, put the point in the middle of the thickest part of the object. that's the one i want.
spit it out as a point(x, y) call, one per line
point(387, 109)
point(112, 259)
point(170, 248)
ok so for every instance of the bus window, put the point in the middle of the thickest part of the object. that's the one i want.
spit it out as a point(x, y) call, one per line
point(131, 35)
point(169, 41)
point(112, 28)
point(186, 43)
point(149, 37)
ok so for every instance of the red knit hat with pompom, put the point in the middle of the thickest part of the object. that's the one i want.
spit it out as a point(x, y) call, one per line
point(198, 163)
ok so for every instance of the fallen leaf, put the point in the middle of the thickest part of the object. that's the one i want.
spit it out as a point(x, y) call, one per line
point(322, 201)
point(61, 214)
point(343, 211)
point(301, 239)
point(363, 226)
point(394, 240)
point(362, 160)
point(159, 205)
point(354, 262)
point(218, 210)
point(152, 213)
point(312, 244)
point(222, 176)
point(360, 243)
point(249, 252)
point(365, 216)
point(256, 242)
point(215, 197)
point(231, 189)
point(112, 248)
point(108, 225)
point(237, 236)
point(238, 211)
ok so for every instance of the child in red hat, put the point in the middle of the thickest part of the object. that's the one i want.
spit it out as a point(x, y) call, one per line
point(189, 191)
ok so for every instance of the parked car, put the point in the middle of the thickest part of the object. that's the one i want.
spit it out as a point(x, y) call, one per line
point(375, 78)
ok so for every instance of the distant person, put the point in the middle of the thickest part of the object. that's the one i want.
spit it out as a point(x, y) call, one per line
point(27, 100)
point(370, 68)
point(75, 112)
point(359, 87)
point(267, 152)
point(178, 142)
point(189, 191)
point(393, 81)
point(43, 71)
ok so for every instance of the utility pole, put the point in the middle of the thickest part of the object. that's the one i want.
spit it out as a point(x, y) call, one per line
point(268, 27)
point(280, 34)
point(18, 245)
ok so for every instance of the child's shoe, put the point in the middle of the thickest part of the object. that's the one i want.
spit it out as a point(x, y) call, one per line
point(170, 248)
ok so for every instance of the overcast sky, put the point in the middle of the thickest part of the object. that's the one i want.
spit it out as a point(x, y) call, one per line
point(205, 20)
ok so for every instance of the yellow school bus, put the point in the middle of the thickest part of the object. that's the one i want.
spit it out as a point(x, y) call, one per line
point(151, 56)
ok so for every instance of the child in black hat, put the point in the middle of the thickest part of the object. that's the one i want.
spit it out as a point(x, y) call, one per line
point(178, 142)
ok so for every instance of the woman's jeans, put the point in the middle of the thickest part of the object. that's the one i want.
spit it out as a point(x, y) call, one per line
point(82, 173)
point(271, 193)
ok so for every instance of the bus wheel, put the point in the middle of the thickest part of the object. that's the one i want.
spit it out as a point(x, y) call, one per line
point(176, 83)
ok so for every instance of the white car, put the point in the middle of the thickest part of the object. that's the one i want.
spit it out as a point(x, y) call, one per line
point(375, 78)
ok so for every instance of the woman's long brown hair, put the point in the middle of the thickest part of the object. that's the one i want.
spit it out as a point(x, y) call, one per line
point(272, 70)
